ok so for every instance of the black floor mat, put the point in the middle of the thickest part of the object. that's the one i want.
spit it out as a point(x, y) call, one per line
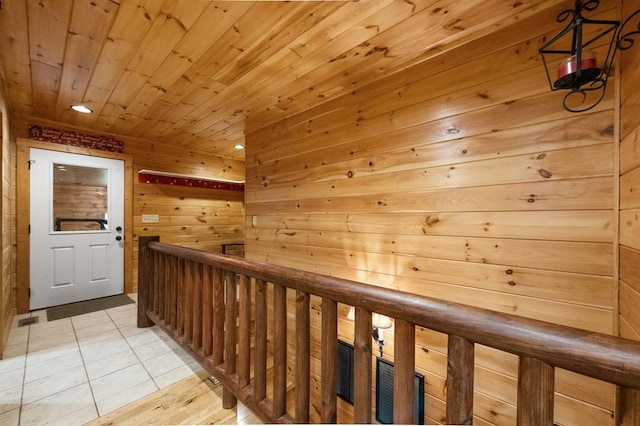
point(79, 308)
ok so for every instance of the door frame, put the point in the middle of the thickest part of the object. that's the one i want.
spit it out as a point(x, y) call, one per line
point(23, 212)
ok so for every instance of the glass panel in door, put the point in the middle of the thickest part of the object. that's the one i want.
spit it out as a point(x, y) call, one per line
point(80, 198)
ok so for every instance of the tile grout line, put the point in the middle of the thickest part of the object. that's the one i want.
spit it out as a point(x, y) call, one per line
point(84, 365)
point(24, 370)
point(126, 340)
point(134, 351)
point(140, 362)
point(95, 402)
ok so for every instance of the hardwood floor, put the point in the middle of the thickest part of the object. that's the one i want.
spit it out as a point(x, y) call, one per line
point(193, 400)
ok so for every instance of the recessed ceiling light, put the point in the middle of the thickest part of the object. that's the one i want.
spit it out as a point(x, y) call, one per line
point(453, 131)
point(238, 146)
point(81, 108)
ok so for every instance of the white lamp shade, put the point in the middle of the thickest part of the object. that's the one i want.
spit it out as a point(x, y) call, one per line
point(380, 321)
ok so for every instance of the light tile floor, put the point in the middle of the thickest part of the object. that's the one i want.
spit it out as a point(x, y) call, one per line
point(73, 370)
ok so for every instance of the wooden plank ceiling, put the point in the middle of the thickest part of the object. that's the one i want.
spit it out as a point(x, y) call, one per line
point(197, 74)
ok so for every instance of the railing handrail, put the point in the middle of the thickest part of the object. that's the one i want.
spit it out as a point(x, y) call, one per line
point(608, 358)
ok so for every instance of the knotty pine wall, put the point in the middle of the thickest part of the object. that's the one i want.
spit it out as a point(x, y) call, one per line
point(630, 191)
point(629, 248)
point(7, 262)
point(514, 213)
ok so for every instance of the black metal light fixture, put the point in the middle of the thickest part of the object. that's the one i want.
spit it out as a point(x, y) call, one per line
point(578, 70)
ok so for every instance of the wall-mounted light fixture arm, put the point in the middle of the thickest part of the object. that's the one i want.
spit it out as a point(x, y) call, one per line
point(625, 41)
point(378, 336)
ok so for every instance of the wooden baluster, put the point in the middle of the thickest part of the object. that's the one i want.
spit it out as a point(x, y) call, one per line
point(180, 308)
point(279, 350)
point(157, 287)
point(329, 357)
point(196, 303)
point(460, 366)
point(207, 310)
point(145, 281)
point(260, 366)
point(404, 371)
point(218, 317)
point(173, 294)
point(230, 336)
point(535, 392)
point(187, 313)
point(244, 337)
point(362, 360)
point(164, 302)
point(303, 354)
point(170, 297)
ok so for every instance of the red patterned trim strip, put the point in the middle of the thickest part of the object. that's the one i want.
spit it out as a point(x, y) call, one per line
point(193, 182)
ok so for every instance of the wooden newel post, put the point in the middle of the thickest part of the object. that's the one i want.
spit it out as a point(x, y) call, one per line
point(145, 280)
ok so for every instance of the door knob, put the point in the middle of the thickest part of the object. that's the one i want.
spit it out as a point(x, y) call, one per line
point(119, 228)
point(118, 238)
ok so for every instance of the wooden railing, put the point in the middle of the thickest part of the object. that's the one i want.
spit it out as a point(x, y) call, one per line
point(207, 302)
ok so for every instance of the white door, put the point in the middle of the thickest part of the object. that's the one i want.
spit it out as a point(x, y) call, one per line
point(76, 235)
